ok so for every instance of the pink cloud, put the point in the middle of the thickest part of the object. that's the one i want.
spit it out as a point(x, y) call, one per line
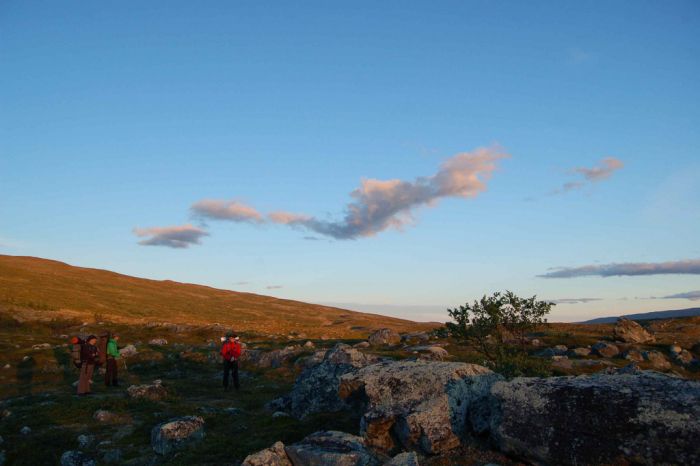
point(179, 237)
point(234, 211)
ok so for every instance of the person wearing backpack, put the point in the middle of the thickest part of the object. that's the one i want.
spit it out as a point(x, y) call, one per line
point(111, 361)
point(89, 358)
point(231, 351)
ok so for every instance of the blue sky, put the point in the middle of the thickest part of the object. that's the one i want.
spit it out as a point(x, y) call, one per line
point(117, 118)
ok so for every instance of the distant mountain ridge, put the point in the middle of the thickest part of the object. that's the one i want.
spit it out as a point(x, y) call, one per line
point(33, 288)
point(690, 312)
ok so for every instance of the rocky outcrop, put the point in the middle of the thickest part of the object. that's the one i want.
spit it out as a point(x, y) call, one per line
point(316, 389)
point(384, 336)
point(273, 456)
point(601, 419)
point(656, 359)
point(421, 404)
point(274, 358)
point(605, 349)
point(681, 356)
point(176, 433)
point(630, 331)
point(155, 391)
point(331, 447)
point(434, 353)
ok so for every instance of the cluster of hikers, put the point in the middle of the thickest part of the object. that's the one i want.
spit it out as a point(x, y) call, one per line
point(94, 351)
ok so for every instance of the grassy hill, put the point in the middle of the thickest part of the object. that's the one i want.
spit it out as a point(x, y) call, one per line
point(34, 288)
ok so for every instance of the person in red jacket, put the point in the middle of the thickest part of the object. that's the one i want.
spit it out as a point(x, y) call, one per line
point(231, 351)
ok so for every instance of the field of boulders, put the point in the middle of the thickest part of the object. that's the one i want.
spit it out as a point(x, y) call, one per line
point(618, 394)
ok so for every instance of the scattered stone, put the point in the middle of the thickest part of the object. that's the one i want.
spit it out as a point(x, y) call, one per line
point(310, 361)
point(279, 414)
point(42, 346)
point(158, 342)
point(675, 349)
point(274, 358)
point(633, 355)
point(76, 458)
point(656, 359)
point(416, 337)
point(7, 366)
point(562, 362)
point(362, 344)
point(433, 353)
point(558, 350)
point(85, 441)
point(536, 342)
point(176, 433)
point(128, 351)
point(421, 404)
point(309, 344)
point(102, 415)
point(605, 349)
point(384, 336)
point(407, 458)
point(26, 430)
point(645, 419)
point(630, 331)
point(273, 456)
point(331, 447)
point(684, 358)
point(580, 352)
point(155, 391)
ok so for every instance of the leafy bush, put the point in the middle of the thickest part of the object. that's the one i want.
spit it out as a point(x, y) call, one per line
point(497, 326)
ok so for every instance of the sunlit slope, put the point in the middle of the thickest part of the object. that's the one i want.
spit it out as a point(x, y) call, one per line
point(39, 288)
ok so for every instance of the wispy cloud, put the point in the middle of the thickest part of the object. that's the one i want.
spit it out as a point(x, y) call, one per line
point(691, 295)
point(179, 237)
point(241, 283)
point(572, 300)
point(378, 205)
point(234, 211)
point(691, 266)
point(604, 170)
point(274, 287)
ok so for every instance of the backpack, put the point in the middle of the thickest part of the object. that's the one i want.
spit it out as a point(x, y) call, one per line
point(76, 351)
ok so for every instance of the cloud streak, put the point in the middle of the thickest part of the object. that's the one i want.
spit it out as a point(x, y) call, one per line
point(573, 300)
point(377, 205)
point(688, 267)
point(178, 237)
point(233, 211)
point(604, 170)
point(690, 295)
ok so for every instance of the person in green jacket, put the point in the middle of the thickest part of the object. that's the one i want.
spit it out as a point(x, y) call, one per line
point(112, 356)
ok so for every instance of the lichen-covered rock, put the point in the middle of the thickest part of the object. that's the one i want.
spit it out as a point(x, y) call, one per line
point(633, 355)
point(407, 458)
point(273, 456)
point(316, 389)
point(422, 404)
point(558, 350)
point(384, 336)
point(127, 351)
point(76, 458)
point(601, 419)
point(158, 342)
point(275, 358)
point(656, 359)
point(683, 357)
point(331, 448)
point(155, 391)
point(176, 434)
point(362, 344)
point(630, 331)
point(605, 349)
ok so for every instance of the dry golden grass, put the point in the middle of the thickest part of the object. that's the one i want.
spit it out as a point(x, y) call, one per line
point(34, 288)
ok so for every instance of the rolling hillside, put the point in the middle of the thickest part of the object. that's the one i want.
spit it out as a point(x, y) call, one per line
point(675, 313)
point(34, 288)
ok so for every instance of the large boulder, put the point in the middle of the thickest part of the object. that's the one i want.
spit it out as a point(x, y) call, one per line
point(273, 456)
point(422, 404)
point(176, 434)
point(657, 360)
point(275, 358)
point(384, 336)
point(331, 447)
point(601, 419)
point(155, 391)
point(127, 351)
point(316, 389)
point(630, 331)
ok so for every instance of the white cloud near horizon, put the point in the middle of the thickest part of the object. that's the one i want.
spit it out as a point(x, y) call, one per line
point(572, 300)
point(178, 236)
point(691, 267)
point(377, 205)
point(689, 295)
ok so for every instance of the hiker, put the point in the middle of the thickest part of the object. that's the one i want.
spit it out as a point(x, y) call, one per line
point(88, 360)
point(111, 362)
point(231, 351)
